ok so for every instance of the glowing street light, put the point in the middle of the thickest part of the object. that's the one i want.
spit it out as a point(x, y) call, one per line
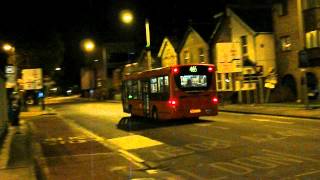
point(88, 45)
point(8, 48)
point(126, 16)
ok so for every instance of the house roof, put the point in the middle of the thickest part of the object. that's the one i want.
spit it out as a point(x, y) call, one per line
point(205, 30)
point(259, 19)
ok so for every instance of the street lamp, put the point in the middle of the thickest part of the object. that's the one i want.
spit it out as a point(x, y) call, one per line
point(126, 17)
point(8, 48)
point(88, 45)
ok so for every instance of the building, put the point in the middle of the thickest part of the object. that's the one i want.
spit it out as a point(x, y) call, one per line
point(194, 48)
point(296, 30)
point(251, 29)
point(168, 53)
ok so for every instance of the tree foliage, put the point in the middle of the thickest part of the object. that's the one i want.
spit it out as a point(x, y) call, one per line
point(46, 52)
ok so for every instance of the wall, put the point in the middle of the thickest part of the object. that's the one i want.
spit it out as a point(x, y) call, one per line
point(239, 29)
point(265, 50)
point(192, 44)
point(288, 25)
point(169, 56)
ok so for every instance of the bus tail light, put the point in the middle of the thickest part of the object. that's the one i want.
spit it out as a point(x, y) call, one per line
point(210, 69)
point(215, 100)
point(173, 102)
point(175, 70)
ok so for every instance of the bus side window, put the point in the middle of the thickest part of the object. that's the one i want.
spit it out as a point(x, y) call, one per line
point(165, 95)
point(154, 85)
point(129, 89)
point(160, 84)
point(135, 89)
point(140, 90)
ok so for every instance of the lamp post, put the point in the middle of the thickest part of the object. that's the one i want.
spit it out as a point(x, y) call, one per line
point(10, 50)
point(99, 68)
point(127, 17)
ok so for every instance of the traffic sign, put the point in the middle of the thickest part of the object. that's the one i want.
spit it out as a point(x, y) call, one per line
point(32, 79)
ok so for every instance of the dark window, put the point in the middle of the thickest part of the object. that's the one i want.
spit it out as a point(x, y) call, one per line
point(282, 8)
point(244, 45)
point(201, 55)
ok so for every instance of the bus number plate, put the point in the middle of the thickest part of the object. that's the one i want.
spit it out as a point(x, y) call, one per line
point(195, 111)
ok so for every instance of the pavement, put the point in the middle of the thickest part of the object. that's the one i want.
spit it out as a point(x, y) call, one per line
point(312, 111)
point(17, 160)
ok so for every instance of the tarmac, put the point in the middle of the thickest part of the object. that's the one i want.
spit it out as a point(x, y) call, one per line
point(16, 157)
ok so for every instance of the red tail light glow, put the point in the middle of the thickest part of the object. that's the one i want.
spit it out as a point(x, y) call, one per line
point(173, 102)
point(215, 100)
point(175, 70)
point(210, 69)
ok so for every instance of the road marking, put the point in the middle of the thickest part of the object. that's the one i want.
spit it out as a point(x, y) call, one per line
point(308, 173)
point(105, 143)
point(282, 117)
point(219, 127)
point(268, 120)
point(134, 142)
point(259, 138)
point(267, 160)
point(131, 156)
point(190, 174)
point(203, 125)
point(290, 155)
point(169, 152)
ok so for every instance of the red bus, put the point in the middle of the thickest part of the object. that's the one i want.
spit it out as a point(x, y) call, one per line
point(182, 91)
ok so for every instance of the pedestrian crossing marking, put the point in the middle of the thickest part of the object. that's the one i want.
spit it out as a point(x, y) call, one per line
point(134, 142)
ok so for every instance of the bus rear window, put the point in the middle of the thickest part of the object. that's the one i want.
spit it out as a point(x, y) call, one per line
point(193, 81)
point(193, 78)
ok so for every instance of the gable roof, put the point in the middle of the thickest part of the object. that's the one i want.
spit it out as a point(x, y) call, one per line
point(259, 19)
point(173, 40)
point(204, 30)
point(220, 18)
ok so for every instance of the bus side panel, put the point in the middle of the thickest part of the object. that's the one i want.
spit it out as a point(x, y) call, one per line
point(136, 107)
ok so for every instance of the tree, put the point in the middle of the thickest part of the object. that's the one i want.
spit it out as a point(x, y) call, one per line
point(46, 52)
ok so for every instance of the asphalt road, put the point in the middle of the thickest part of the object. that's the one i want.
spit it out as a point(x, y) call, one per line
point(227, 146)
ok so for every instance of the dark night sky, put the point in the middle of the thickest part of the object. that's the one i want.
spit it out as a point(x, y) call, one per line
point(75, 20)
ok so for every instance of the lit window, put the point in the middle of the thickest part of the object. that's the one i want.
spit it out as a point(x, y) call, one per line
point(201, 55)
point(312, 39)
point(244, 45)
point(285, 43)
point(154, 85)
point(186, 57)
point(313, 4)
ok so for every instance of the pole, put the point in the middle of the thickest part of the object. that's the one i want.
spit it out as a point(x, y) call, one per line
point(261, 89)
point(304, 83)
point(149, 64)
point(240, 93)
point(104, 74)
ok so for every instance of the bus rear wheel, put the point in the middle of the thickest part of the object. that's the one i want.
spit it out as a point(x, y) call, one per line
point(154, 115)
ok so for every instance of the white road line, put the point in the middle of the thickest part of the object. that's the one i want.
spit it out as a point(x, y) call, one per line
point(268, 120)
point(190, 174)
point(132, 158)
point(308, 173)
point(281, 117)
